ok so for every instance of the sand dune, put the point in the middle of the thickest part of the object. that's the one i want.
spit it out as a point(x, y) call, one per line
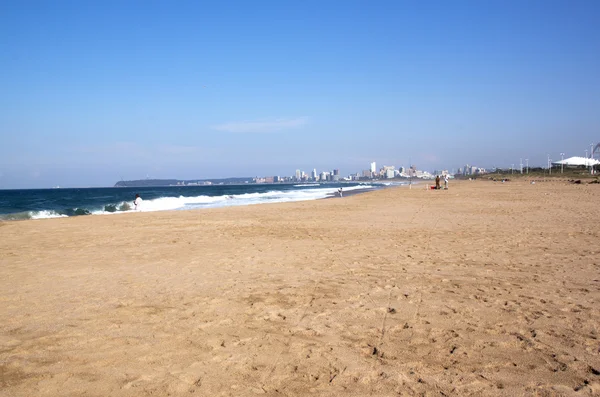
point(484, 289)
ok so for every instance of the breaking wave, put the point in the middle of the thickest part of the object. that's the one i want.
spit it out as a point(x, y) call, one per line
point(186, 203)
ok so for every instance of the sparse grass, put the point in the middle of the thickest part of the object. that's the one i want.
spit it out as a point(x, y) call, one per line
point(538, 173)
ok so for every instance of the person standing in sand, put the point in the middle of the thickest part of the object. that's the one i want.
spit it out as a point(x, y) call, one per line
point(137, 203)
point(446, 182)
point(437, 181)
point(340, 192)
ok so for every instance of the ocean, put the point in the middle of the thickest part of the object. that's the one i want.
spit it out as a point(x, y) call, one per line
point(55, 203)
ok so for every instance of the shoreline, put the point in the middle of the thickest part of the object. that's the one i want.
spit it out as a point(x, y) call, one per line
point(81, 211)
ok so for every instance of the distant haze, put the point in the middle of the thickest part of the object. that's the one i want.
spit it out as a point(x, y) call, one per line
point(95, 92)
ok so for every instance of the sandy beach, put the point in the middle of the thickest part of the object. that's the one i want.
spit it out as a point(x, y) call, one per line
point(485, 289)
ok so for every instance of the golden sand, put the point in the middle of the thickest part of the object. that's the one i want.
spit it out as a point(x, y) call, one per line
point(484, 289)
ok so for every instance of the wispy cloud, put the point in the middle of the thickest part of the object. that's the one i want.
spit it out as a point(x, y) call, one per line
point(261, 126)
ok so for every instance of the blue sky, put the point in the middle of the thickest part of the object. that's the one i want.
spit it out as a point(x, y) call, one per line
point(95, 91)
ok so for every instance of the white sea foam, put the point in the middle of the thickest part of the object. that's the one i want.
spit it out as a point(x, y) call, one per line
point(275, 196)
point(45, 215)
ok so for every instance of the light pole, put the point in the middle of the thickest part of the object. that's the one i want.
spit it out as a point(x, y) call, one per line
point(521, 165)
point(527, 161)
point(562, 155)
point(409, 174)
point(549, 169)
point(591, 158)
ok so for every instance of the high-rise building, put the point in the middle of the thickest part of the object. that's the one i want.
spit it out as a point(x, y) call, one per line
point(314, 174)
point(412, 171)
point(298, 175)
point(336, 172)
point(373, 167)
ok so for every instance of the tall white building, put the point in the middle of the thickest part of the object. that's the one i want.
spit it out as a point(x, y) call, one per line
point(314, 174)
point(373, 167)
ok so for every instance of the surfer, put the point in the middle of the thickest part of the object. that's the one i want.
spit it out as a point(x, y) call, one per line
point(340, 192)
point(137, 203)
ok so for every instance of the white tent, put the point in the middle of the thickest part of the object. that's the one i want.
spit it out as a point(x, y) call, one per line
point(577, 161)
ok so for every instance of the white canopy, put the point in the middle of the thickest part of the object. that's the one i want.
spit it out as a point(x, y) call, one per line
point(577, 161)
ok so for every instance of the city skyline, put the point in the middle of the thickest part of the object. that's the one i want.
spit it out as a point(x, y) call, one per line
point(371, 167)
point(95, 92)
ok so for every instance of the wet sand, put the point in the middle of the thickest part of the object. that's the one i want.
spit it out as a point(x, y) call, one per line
point(484, 289)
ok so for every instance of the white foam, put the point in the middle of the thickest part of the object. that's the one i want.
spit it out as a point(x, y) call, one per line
point(45, 215)
point(275, 196)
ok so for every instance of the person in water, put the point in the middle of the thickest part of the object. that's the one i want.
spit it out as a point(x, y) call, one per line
point(137, 203)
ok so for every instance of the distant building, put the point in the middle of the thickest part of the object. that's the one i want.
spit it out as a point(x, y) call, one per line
point(336, 172)
point(383, 172)
point(314, 175)
point(367, 173)
point(390, 173)
point(373, 168)
point(412, 171)
point(298, 175)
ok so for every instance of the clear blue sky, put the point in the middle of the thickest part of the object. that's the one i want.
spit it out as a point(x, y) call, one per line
point(95, 91)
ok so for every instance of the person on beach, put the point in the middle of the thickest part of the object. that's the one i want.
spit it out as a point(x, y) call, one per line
point(437, 181)
point(137, 203)
point(446, 182)
point(340, 192)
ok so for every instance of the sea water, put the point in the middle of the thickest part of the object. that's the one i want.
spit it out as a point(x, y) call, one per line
point(54, 203)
